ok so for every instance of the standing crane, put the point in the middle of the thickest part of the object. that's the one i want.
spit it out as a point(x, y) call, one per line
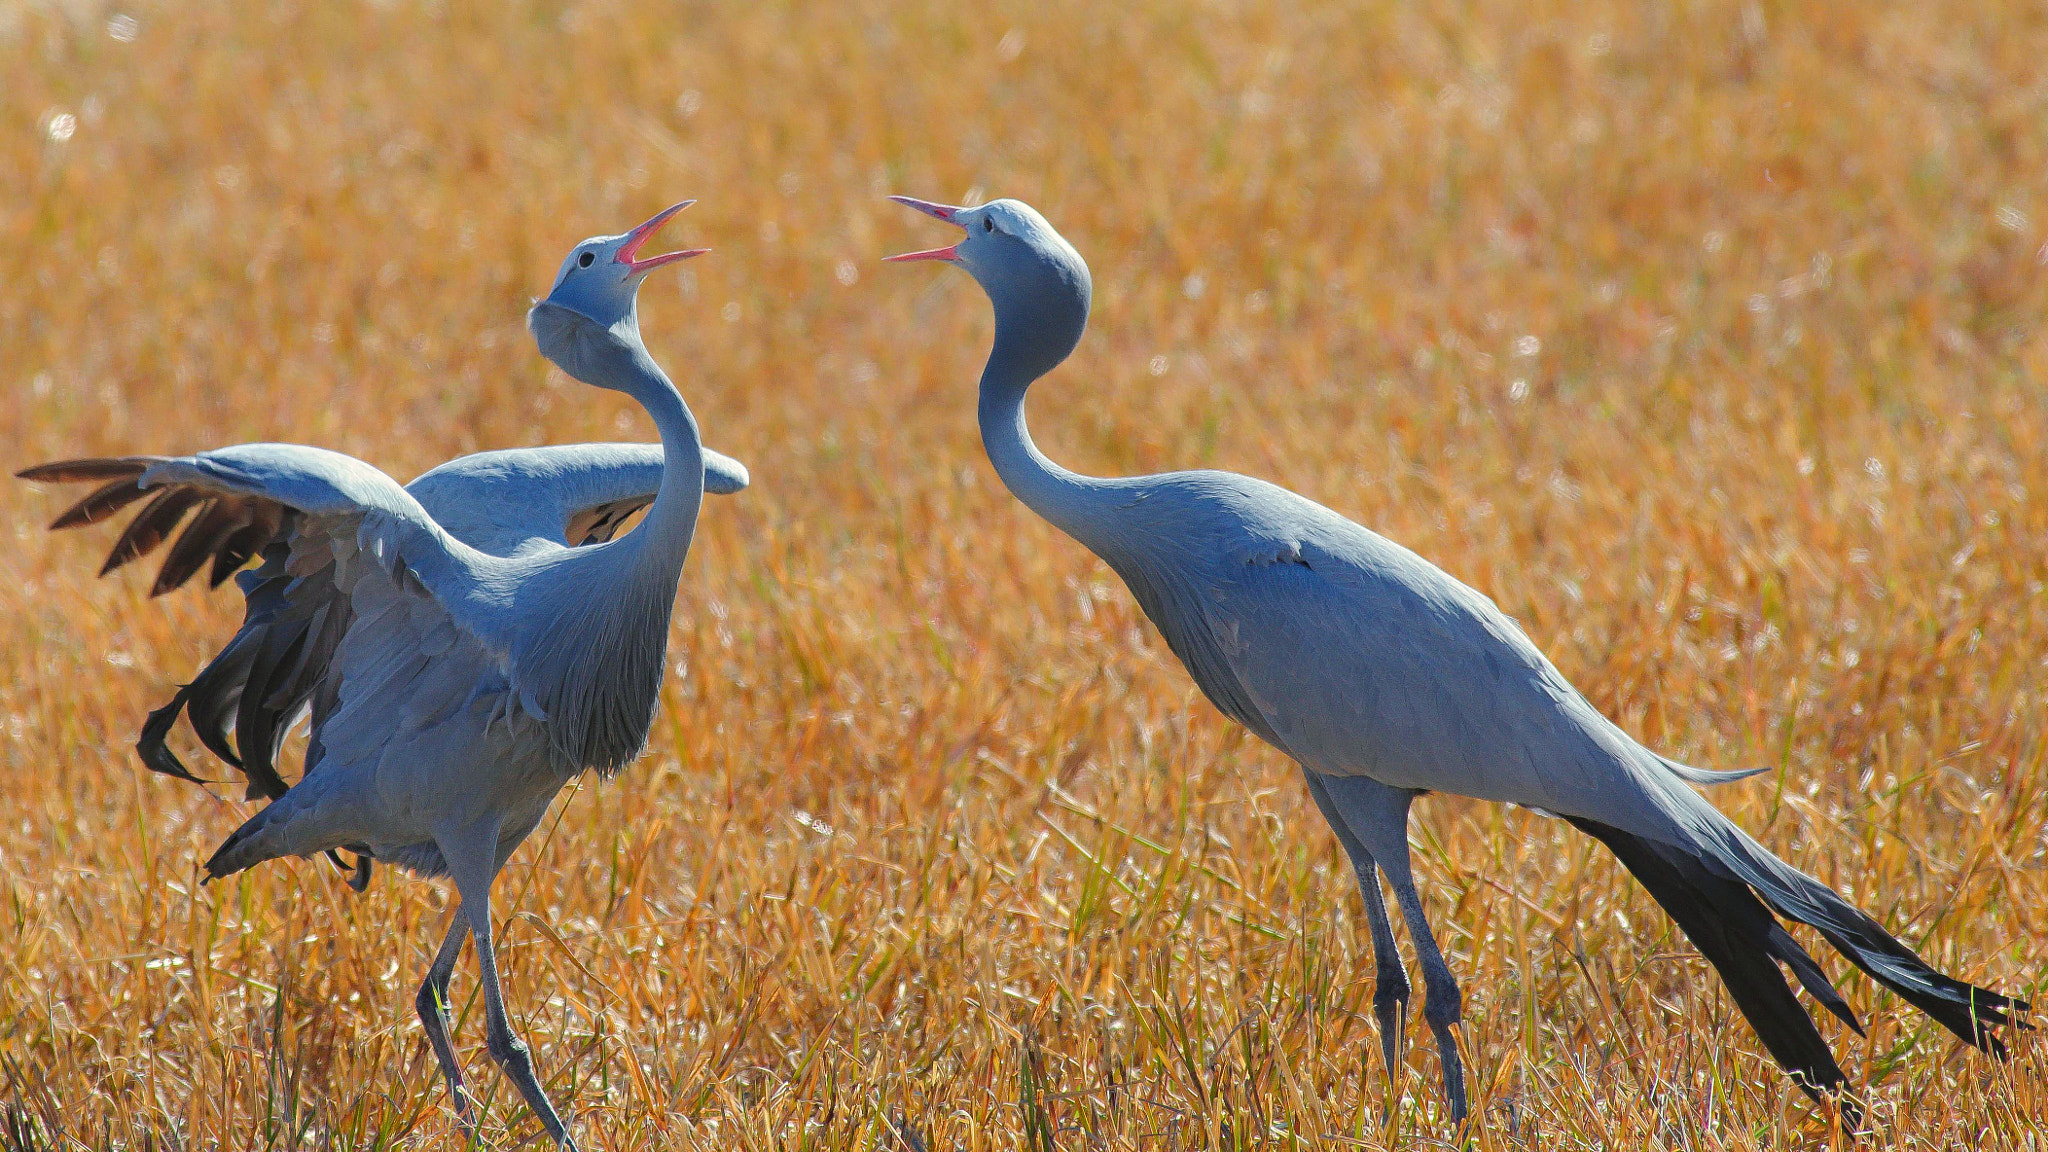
point(1384, 678)
point(465, 646)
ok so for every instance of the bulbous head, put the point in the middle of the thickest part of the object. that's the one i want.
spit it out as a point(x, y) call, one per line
point(1037, 282)
point(1009, 249)
point(600, 278)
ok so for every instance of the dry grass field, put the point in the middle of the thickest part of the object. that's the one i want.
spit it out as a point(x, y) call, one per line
point(1707, 338)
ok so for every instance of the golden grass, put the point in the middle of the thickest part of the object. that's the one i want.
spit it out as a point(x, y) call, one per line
point(1706, 338)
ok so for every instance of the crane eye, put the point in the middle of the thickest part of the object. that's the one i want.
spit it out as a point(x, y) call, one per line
point(987, 224)
point(584, 260)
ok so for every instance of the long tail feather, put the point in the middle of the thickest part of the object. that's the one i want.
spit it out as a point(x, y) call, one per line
point(1725, 891)
point(1794, 956)
point(1970, 1012)
point(1737, 935)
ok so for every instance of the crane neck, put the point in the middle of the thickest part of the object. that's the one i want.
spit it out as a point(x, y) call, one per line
point(671, 521)
point(615, 357)
point(1072, 502)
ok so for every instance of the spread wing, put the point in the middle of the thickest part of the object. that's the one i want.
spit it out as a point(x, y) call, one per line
point(315, 518)
point(246, 699)
point(496, 502)
point(330, 531)
point(227, 531)
point(337, 624)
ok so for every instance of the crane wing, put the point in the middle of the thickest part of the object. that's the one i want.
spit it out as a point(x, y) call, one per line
point(226, 532)
point(244, 701)
point(496, 502)
point(321, 522)
point(265, 676)
point(305, 511)
point(342, 509)
point(506, 501)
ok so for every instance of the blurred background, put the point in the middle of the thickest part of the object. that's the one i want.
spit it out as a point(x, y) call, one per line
point(1706, 338)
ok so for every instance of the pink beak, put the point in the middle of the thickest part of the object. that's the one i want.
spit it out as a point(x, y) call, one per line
point(951, 252)
point(640, 235)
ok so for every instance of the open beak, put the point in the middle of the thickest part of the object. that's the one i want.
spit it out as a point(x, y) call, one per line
point(639, 236)
point(951, 252)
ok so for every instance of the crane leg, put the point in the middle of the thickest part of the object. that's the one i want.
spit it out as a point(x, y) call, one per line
point(473, 859)
point(432, 1004)
point(1378, 815)
point(1390, 988)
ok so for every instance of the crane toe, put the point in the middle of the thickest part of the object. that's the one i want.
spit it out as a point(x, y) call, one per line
point(1454, 1069)
point(516, 1061)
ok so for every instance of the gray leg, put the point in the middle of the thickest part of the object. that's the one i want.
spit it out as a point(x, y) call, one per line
point(1378, 815)
point(432, 1004)
point(1390, 989)
point(473, 860)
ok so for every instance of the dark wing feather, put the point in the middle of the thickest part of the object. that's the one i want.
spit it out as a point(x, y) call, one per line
point(104, 501)
point(216, 520)
point(245, 542)
point(598, 524)
point(152, 526)
point(259, 728)
point(227, 530)
point(243, 701)
point(214, 697)
point(155, 752)
point(90, 468)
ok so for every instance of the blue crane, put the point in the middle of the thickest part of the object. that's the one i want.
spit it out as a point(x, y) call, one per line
point(1384, 678)
point(465, 646)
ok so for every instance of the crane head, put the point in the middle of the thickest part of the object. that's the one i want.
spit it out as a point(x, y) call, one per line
point(1036, 280)
point(1008, 246)
point(601, 276)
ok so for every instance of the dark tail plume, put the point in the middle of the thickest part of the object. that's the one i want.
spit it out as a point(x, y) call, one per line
point(1723, 896)
point(1972, 1013)
point(1738, 936)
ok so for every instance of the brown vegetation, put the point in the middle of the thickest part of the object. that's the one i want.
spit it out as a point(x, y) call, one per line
point(1706, 338)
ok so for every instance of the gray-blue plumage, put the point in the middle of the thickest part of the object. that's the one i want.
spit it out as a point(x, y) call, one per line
point(510, 499)
point(503, 502)
point(1385, 678)
point(464, 646)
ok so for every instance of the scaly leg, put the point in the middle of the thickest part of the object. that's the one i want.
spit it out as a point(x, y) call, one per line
point(1378, 815)
point(473, 857)
point(432, 1005)
point(1390, 989)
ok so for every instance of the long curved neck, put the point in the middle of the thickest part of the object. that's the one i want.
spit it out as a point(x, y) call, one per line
point(615, 357)
point(663, 538)
point(1072, 502)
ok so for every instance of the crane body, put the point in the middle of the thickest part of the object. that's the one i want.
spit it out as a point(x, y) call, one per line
point(1385, 678)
